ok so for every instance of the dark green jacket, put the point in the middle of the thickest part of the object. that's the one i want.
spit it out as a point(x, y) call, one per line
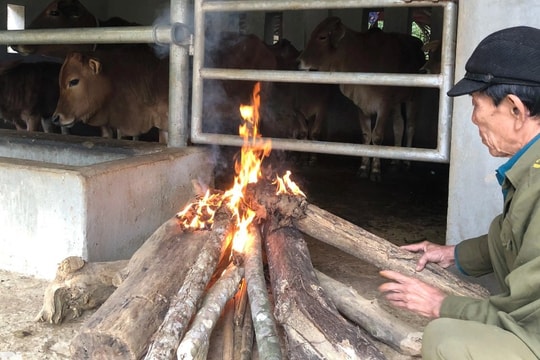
point(511, 250)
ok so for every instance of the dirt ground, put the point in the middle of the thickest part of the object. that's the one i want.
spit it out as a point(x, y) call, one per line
point(405, 207)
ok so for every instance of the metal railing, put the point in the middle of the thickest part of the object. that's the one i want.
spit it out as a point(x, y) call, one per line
point(176, 35)
point(443, 81)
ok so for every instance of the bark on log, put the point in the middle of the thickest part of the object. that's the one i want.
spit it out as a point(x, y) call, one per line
point(264, 324)
point(372, 318)
point(78, 286)
point(196, 342)
point(313, 326)
point(122, 326)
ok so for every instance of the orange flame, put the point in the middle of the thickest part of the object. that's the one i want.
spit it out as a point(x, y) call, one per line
point(200, 215)
point(286, 186)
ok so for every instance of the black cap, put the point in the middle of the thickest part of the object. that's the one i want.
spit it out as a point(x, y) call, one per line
point(508, 56)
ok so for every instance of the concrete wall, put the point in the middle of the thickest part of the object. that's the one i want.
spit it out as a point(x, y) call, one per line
point(474, 194)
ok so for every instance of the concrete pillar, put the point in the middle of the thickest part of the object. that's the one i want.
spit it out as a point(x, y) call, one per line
point(474, 194)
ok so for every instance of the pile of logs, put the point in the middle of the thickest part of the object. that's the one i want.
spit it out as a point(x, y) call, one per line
point(165, 301)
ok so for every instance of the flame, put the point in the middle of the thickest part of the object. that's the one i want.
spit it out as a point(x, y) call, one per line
point(199, 215)
point(286, 186)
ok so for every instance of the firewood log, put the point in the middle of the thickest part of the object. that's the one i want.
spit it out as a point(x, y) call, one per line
point(372, 318)
point(381, 253)
point(122, 327)
point(264, 324)
point(78, 286)
point(313, 326)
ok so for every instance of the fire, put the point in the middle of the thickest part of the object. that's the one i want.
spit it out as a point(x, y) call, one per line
point(199, 215)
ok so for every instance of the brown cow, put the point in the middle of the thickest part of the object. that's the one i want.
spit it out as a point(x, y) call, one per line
point(222, 98)
point(334, 47)
point(28, 93)
point(308, 102)
point(66, 14)
point(125, 88)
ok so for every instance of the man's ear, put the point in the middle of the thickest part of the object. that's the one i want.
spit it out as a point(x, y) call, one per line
point(517, 107)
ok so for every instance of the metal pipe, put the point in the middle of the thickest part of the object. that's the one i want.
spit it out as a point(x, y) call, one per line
point(419, 80)
point(351, 149)
point(277, 5)
point(178, 134)
point(107, 35)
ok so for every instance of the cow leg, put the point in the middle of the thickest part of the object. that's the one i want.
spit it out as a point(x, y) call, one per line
point(32, 122)
point(315, 132)
point(106, 132)
point(47, 125)
point(365, 126)
point(398, 126)
point(411, 113)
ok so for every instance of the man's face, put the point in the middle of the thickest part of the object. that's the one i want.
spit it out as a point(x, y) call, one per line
point(494, 124)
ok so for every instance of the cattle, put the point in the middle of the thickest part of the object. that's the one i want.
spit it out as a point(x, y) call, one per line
point(28, 93)
point(223, 97)
point(335, 47)
point(66, 14)
point(308, 103)
point(125, 89)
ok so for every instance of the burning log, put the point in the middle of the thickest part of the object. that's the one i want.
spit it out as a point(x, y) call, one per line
point(352, 239)
point(78, 286)
point(185, 303)
point(123, 325)
point(195, 343)
point(313, 325)
point(371, 317)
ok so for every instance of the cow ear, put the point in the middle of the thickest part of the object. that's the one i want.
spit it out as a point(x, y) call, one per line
point(336, 34)
point(95, 66)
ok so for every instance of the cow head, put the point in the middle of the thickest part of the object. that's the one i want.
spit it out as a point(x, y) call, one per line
point(83, 90)
point(59, 14)
point(324, 41)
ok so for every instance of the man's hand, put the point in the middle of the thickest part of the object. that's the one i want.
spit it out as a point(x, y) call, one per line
point(412, 294)
point(439, 254)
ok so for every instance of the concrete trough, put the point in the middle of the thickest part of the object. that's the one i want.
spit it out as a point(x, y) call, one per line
point(100, 199)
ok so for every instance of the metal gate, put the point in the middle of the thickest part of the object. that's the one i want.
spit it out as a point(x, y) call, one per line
point(179, 39)
point(443, 81)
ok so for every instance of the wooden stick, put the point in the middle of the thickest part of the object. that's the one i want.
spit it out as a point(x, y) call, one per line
point(195, 343)
point(371, 317)
point(184, 304)
point(228, 330)
point(124, 324)
point(314, 327)
point(263, 321)
point(248, 332)
point(240, 302)
point(358, 242)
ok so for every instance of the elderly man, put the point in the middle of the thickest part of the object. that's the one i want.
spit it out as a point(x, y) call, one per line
point(503, 80)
